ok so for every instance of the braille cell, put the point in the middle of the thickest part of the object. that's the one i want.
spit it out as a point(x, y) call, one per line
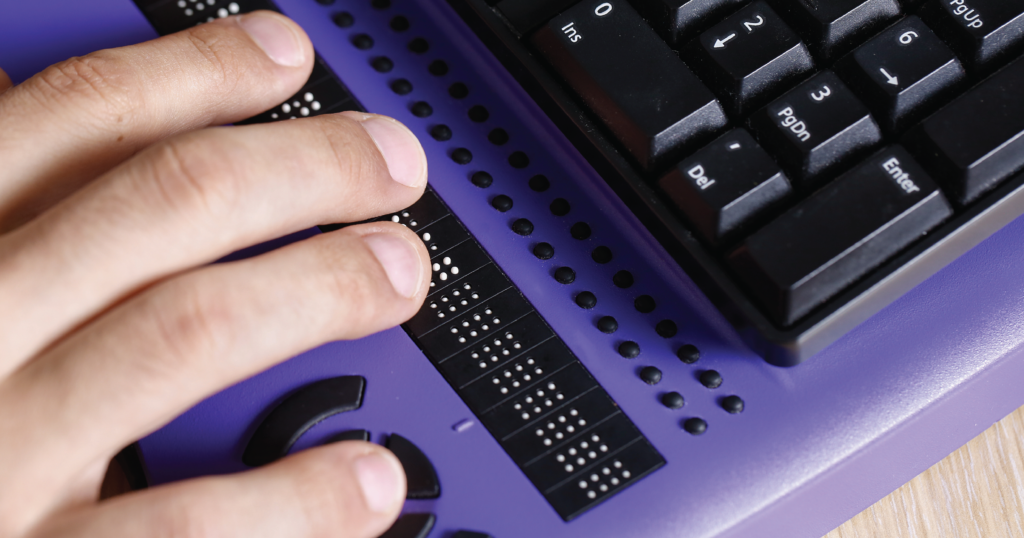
point(645, 304)
point(498, 136)
point(560, 207)
point(399, 24)
point(586, 299)
point(422, 109)
point(666, 328)
point(607, 325)
point(419, 45)
point(539, 183)
point(481, 179)
point(580, 230)
point(522, 227)
point(401, 87)
point(438, 68)
point(688, 353)
point(695, 426)
point(629, 349)
point(501, 203)
point(733, 404)
point(441, 132)
point(462, 155)
point(650, 375)
point(711, 379)
point(344, 19)
point(382, 64)
point(519, 160)
point(673, 400)
point(565, 275)
point(362, 41)
point(623, 279)
point(479, 114)
point(601, 255)
point(458, 90)
point(544, 251)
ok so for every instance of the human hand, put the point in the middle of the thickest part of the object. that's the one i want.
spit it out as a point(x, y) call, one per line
point(114, 195)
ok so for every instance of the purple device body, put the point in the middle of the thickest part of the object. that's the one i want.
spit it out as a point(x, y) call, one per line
point(816, 443)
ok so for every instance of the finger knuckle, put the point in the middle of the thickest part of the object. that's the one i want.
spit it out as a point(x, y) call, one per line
point(221, 61)
point(355, 155)
point(190, 324)
point(352, 286)
point(108, 85)
point(180, 517)
point(193, 179)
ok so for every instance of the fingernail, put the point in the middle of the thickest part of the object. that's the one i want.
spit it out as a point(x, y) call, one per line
point(402, 152)
point(380, 480)
point(400, 260)
point(275, 37)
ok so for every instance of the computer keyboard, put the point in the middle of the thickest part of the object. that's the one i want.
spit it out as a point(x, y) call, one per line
point(807, 161)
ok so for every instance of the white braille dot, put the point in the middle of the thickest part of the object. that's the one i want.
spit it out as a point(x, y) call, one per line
point(504, 390)
point(551, 425)
point(200, 7)
point(569, 468)
point(538, 371)
point(426, 236)
point(561, 419)
point(595, 438)
point(584, 445)
point(211, 2)
point(570, 429)
point(444, 276)
point(526, 416)
point(573, 412)
point(483, 364)
point(462, 340)
point(594, 478)
point(189, 12)
point(519, 367)
point(505, 352)
point(454, 330)
point(274, 116)
point(559, 396)
point(474, 296)
point(515, 384)
point(559, 435)
point(606, 471)
point(548, 403)
point(603, 487)
point(508, 374)
point(304, 111)
point(582, 422)
point(592, 454)
point(405, 213)
point(181, 3)
point(591, 495)
point(529, 400)
point(476, 317)
point(625, 474)
point(233, 7)
point(551, 386)
point(315, 105)
point(617, 464)
point(296, 104)
point(547, 442)
point(614, 481)
point(308, 97)
point(286, 108)
point(495, 321)
point(572, 451)
point(484, 327)
point(222, 13)
point(540, 433)
point(413, 223)
point(447, 260)
point(537, 410)
point(604, 448)
point(583, 484)
point(487, 349)
point(527, 377)
point(560, 458)
point(440, 315)
point(455, 270)
point(472, 333)
point(540, 393)
point(395, 218)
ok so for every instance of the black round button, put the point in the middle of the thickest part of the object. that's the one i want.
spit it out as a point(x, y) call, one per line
point(422, 109)
point(401, 87)
point(544, 251)
point(560, 207)
point(462, 156)
point(479, 114)
point(539, 183)
point(650, 375)
point(601, 255)
point(645, 304)
point(438, 68)
point(458, 90)
point(711, 379)
point(362, 41)
point(399, 24)
point(607, 325)
point(501, 203)
point(565, 275)
point(580, 230)
point(666, 328)
point(344, 19)
point(482, 179)
point(441, 133)
point(688, 353)
point(519, 160)
point(587, 300)
point(733, 404)
point(419, 45)
point(382, 64)
point(623, 279)
point(673, 400)
point(522, 227)
point(498, 137)
point(629, 349)
point(696, 426)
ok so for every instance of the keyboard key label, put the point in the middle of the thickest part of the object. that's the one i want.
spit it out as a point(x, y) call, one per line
point(969, 14)
point(902, 178)
point(791, 122)
point(700, 178)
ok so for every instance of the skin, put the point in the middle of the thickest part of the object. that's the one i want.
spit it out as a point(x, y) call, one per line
point(117, 191)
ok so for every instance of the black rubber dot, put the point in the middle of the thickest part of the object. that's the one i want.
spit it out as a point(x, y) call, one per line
point(501, 203)
point(325, 2)
point(519, 160)
point(560, 207)
point(481, 179)
point(544, 251)
point(645, 304)
point(580, 230)
point(650, 375)
point(422, 109)
point(666, 328)
point(498, 137)
point(399, 24)
point(462, 156)
point(607, 325)
point(382, 64)
point(344, 19)
point(733, 404)
point(438, 68)
point(539, 183)
point(602, 254)
point(673, 400)
point(381, 4)
point(629, 349)
point(419, 45)
point(362, 41)
point(458, 90)
point(522, 227)
point(623, 279)
point(441, 132)
point(565, 275)
point(401, 87)
point(696, 426)
point(585, 299)
point(688, 353)
point(479, 114)
point(711, 379)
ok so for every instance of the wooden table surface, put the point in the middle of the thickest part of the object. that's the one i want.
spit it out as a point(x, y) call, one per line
point(976, 492)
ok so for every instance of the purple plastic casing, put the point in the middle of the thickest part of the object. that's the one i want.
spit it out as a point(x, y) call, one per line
point(816, 444)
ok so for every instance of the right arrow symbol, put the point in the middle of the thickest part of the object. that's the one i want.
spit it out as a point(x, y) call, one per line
point(891, 79)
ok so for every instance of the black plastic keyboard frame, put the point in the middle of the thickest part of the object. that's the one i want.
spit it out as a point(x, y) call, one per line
point(781, 346)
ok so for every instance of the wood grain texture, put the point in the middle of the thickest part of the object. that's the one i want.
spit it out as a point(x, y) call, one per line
point(976, 492)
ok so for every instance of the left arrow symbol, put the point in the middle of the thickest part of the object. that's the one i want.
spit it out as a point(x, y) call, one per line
point(720, 44)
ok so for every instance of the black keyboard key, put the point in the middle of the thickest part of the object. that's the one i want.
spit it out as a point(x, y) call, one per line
point(976, 141)
point(678, 20)
point(902, 73)
point(571, 385)
point(489, 357)
point(749, 58)
point(475, 325)
point(630, 78)
point(839, 234)
point(525, 15)
point(832, 27)
point(817, 127)
point(727, 186)
point(469, 292)
point(514, 377)
point(981, 32)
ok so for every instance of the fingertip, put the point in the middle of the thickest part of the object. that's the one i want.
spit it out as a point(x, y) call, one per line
point(280, 38)
point(381, 480)
point(402, 152)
